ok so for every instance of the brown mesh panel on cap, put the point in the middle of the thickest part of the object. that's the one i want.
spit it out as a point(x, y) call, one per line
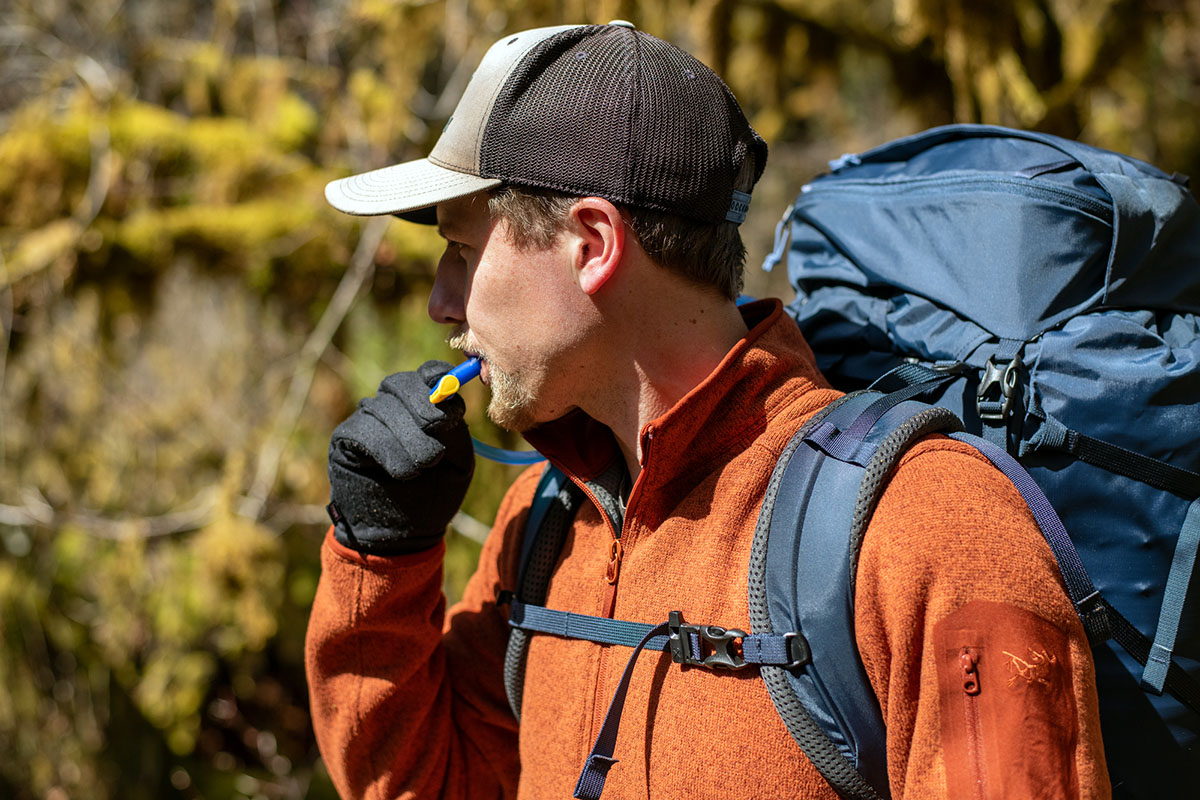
point(614, 112)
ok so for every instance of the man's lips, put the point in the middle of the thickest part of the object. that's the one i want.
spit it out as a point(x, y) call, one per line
point(484, 369)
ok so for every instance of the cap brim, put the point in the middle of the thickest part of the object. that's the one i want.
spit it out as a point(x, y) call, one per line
point(408, 190)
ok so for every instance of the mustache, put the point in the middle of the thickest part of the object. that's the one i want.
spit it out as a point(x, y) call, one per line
point(460, 339)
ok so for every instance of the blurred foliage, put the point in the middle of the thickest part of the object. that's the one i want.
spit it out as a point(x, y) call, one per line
point(184, 320)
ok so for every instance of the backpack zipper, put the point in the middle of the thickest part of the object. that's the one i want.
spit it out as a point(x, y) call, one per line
point(968, 659)
point(945, 184)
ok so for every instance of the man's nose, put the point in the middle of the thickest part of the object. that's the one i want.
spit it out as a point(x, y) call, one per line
point(447, 303)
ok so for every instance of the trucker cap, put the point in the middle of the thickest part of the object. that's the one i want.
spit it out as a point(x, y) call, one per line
point(587, 110)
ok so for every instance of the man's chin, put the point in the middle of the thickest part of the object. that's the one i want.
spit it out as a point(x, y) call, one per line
point(516, 420)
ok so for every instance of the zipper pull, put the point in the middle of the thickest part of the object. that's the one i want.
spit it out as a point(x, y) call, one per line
point(968, 660)
point(614, 561)
point(611, 573)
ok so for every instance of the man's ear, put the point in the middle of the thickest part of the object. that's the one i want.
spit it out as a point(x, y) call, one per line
point(600, 246)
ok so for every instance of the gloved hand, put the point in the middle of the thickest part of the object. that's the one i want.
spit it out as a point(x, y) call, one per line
point(400, 466)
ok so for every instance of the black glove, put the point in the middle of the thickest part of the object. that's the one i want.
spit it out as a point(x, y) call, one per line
point(400, 466)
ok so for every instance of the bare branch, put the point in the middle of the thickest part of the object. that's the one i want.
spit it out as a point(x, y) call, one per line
point(100, 179)
point(289, 514)
point(362, 266)
point(470, 527)
point(37, 512)
point(7, 312)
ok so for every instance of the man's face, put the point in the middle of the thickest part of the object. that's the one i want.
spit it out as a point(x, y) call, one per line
point(517, 309)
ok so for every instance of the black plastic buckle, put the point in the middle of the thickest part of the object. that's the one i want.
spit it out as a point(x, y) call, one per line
point(713, 646)
point(998, 406)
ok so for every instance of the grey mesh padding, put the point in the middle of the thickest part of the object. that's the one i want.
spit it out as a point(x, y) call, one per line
point(535, 579)
point(883, 462)
point(817, 746)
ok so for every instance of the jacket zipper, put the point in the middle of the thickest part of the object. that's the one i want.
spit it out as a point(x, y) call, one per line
point(968, 659)
point(612, 573)
point(612, 570)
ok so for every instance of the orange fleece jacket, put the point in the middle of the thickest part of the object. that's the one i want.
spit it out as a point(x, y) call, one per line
point(408, 700)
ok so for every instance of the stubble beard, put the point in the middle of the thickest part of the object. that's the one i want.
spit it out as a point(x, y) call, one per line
point(512, 403)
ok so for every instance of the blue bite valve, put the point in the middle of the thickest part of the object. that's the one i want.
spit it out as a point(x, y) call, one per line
point(453, 380)
point(449, 384)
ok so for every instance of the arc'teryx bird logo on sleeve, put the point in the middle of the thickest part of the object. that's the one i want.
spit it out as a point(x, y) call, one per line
point(1035, 668)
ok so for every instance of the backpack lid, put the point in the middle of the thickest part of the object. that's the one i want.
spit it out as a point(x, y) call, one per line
point(966, 214)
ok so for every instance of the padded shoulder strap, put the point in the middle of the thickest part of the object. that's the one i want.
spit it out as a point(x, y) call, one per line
point(802, 569)
point(555, 502)
point(544, 496)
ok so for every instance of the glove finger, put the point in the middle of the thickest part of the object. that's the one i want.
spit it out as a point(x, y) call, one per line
point(380, 435)
point(406, 448)
point(400, 430)
point(432, 371)
point(355, 442)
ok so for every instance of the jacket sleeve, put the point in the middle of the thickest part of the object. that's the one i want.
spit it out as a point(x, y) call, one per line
point(982, 669)
point(406, 698)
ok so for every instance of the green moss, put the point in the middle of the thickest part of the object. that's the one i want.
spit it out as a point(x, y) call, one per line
point(242, 228)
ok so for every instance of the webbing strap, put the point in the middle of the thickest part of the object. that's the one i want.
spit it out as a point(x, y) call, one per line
point(600, 760)
point(1182, 686)
point(850, 445)
point(581, 626)
point(1174, 597)
point(1053, 435)
point(866, 420)
point(1158, 474)
point(1100, 620)
point(1079, 585)
point(912, 374)
point(772, 649)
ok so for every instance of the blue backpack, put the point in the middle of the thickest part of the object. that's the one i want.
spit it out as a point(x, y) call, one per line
point(1022, 282)
point(1056, 286)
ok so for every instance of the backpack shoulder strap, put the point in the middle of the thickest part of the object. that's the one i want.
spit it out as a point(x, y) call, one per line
point(802, 571)
point(555, 501)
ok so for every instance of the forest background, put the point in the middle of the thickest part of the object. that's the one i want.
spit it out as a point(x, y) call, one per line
point(183, 320)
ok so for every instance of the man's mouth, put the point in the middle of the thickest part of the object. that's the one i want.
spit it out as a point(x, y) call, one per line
point(484, 363)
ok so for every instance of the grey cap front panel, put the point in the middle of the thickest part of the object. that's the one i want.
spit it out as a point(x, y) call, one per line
point(459, 145)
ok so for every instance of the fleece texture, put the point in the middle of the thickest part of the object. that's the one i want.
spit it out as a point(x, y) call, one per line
point(981, 668)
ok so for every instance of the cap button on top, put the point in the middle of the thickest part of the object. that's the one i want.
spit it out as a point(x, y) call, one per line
point(622, 23)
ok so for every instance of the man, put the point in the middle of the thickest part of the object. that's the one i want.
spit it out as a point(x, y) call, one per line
point(589, 188)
